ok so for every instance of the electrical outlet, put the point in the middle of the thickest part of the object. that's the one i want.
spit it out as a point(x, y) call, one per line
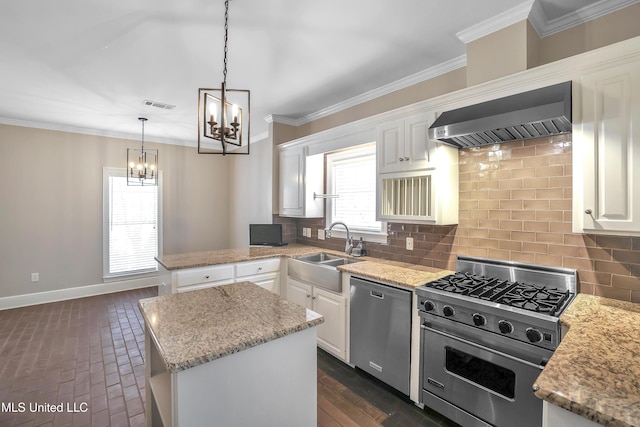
point(306, 232)
point(35, 277)
point(320, 234)
point(409, 243)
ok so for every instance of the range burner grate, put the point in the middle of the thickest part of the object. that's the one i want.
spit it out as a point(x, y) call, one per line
point(535, 298)
point(540, 299)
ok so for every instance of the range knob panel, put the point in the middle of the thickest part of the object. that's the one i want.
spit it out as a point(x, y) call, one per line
point(428, 305)
point(448, 311)
point(534, 335)
point(479, 319)
point(505, 327)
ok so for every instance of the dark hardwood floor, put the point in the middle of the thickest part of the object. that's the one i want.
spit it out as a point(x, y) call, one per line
point(351, 397)
point(90, 351)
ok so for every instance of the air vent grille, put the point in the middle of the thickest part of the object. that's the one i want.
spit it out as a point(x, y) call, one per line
point(156, 104)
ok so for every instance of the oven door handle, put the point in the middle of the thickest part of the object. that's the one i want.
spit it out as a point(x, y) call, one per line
point(476, 345)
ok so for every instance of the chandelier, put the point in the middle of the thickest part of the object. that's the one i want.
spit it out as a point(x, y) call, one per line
point(142, 165)
point(223, 114)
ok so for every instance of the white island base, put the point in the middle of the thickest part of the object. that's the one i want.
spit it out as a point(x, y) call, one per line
point(272, 384)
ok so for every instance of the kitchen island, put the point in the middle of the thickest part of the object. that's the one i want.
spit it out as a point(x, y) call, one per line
point(232, 355)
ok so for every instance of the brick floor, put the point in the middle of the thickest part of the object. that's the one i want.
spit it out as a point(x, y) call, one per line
point(84, 351)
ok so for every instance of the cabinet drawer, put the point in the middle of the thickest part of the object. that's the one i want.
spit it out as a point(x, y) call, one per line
point(252, 268)
point(204, 275)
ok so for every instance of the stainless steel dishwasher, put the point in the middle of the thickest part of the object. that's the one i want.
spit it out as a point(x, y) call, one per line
point(381, 331)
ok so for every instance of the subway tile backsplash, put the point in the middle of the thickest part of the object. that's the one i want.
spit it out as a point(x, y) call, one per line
point(515, 205)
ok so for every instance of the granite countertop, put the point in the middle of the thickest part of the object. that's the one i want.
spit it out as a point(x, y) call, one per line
point(401, 274)
point(595, 372)
point(196, 327)
point(226, 256)
point(395, 273)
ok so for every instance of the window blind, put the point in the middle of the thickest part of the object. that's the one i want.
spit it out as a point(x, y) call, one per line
point(353, 178)
point(132, 228)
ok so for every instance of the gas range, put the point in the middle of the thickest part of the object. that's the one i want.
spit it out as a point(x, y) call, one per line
point(518, 301)
point(486, 333)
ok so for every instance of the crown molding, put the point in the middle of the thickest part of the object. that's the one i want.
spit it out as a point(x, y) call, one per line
point(545, 27)
point(94, 132)
point(498, 22)
point(419, 77)
point(279, 118)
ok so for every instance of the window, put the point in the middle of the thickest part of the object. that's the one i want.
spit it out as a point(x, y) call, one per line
point(351, 174)
point(132, 235)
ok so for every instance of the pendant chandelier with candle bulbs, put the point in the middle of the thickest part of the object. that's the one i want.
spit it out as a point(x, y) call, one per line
point(223, 114)
point(142, 164)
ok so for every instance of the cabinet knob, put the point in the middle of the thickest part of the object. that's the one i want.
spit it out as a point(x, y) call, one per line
point(406, 159)
point(401, 159)
point(259, 268)
point(314, 297)
point(207, 276)
point(308, 295)
point(588, 211)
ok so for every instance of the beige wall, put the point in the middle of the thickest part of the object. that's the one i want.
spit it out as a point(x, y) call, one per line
point(606, 30)
point(251, 197)
point(497, 55)
point(440, 85)
point(51, 205)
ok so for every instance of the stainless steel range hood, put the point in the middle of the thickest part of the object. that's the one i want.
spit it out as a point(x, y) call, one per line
point(540, 112)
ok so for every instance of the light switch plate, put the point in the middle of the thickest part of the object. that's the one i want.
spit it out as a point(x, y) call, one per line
point(320, 234)
point(409, 243)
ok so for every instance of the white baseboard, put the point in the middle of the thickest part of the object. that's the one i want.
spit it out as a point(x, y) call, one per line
point(78, 292)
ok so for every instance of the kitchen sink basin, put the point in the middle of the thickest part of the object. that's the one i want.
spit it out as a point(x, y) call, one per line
point(319, 270)
point(320, 257)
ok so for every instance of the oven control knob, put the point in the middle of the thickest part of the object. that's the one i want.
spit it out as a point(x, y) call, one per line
point(479, 319)
point(428, 305)
point(534, 335)
point(448, 311)
point(505, 327)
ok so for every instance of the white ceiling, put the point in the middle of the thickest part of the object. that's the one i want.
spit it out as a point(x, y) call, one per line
point(87, 65)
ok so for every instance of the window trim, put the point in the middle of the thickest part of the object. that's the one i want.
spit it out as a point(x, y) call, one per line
point(346, 154)
point(108, 172)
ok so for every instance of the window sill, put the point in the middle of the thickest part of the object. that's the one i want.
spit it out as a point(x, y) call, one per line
point(366, 236)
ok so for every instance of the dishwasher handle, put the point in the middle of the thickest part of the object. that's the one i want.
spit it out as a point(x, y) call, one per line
point(376, 294)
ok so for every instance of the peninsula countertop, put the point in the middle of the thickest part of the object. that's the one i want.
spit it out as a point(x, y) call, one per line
point(196, 327)
point(396, 273)
point(595, 371)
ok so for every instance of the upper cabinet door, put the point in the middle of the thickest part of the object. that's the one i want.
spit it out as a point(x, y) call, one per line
point(292, 174)
point(404, 145)
point(301, 178)
point(419, 149)
point(607, 152)
point(390, 146)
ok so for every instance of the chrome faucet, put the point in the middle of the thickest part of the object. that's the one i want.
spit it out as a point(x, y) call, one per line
point(348, 247)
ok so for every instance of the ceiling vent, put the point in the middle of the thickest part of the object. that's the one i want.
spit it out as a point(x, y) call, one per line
point(156, 104)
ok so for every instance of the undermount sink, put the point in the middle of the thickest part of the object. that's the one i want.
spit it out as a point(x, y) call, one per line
point(319, 270)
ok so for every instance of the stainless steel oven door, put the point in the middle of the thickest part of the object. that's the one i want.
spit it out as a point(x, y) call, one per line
point(485, 383)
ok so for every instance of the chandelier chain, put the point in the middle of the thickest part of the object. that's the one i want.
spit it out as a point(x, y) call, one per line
point(226, 38)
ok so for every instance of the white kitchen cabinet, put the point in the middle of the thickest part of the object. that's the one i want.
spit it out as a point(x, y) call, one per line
point(553, 416)
point(263, 272)
point(332, 335)
point(428, 196)
point(405, 145)
point(202, 277)
point(606, 150)
point(301, 178)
